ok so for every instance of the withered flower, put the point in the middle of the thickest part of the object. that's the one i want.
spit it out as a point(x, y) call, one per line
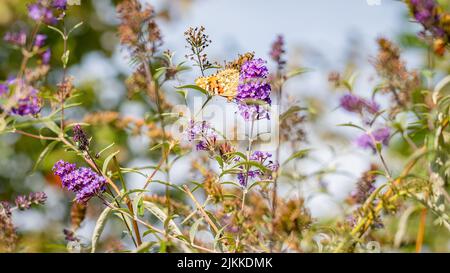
point(397, 80)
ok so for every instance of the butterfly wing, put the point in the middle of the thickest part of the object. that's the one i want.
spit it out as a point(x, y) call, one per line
point(224, 83)
point(228, 80)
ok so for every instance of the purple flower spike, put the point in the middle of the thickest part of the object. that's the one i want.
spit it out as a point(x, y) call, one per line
point(46, 56)
point(351, 103)
point(27, 104)
point(84, 182)
point(203, 133)
point(254, 69)
point(254, 87)
point(256, 174)
point(38, 198)
point(426, 13)
point(62, 168)
point(355, 104)
point(35, 11)
point(40, 40)
point(371, 106)
point(22, 202)
point(40, 12)
point(371, 139)
point(80, 137)
point(277, 51)
point(382, 135)
point(60, 4)
point(16, 38)
point(26, 100)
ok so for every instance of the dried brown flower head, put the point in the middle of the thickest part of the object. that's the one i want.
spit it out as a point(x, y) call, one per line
point(365, 185)
point(8, 236)
point(77, 215)
point(397, 80)
point(198, 41)
point(213, 188)
point(138, 29)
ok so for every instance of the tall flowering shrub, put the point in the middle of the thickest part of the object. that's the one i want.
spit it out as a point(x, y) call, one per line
point(245, 196)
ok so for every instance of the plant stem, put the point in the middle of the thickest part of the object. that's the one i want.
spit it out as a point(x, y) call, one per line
point(200, 208)
point(421, 231)
point(152, 83)
point(277, 154)
point(127, 201)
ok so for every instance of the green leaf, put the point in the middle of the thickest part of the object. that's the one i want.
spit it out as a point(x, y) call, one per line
point(350, 82)
point(99, 226)
point(220, 161)
point(352, 125)
point(107, 160)
point(162, 216)
point(52, 126)
point(144, 247)
point(104, 149)
point(159, 72)
point(147, 232)
point(249, 164)
point(44, 154)
point(127, 193)
point(65, 58)
point(298, 154)
point(262, 182)
point(218, 236)
point(292, 110)
point(297, 72)
point(193, 230)
point(57, 30)
point(194, 87)
point(140, 206)
point(183, 93)
point(75, 27)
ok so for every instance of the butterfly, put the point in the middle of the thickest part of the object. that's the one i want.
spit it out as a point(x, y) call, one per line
point(225, 82)
point(237, 64)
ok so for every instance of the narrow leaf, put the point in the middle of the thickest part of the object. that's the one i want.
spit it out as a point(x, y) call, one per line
point(107, 160)
point(44, 154)
point(99, 226)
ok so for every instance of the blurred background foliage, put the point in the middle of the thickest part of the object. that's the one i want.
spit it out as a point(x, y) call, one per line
point(94, 48)
point(42, 229)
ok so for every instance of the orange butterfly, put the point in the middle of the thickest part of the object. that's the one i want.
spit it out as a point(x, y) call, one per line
point(225, 82)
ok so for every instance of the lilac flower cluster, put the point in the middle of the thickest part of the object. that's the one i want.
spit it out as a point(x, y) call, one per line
point(46, 11)
point(40, 40)
point(24, 202)
point(46, 55)
point(84, 182)
point(355, 104)
point(254, 87)
point(16, 38)
point(203, 133)
point(3, 89)
point(20, 39)
point(264, 159)
point(369, 140)
point(28, 104)
point(26, 98)
point(277, 51)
